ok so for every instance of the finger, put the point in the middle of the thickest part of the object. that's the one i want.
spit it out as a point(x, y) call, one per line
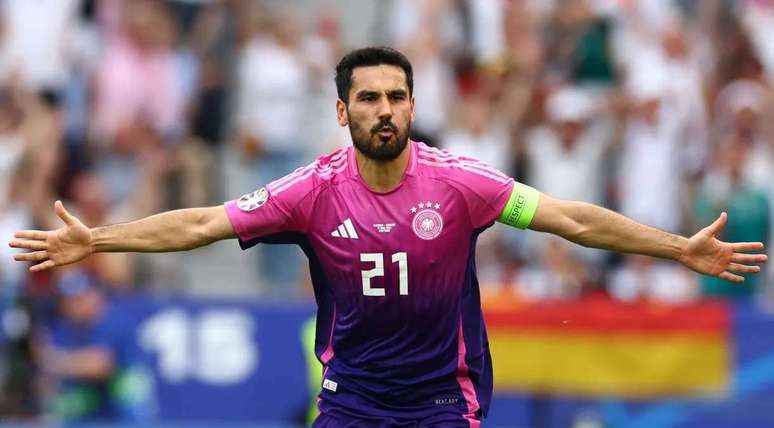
point(63, 214)
point(735, 267)
point(749, 258)
point(31, 257)
point(30, 245)
point(731, 277)
point(747, 246)
point(31, 234)
point(48, 264)
point(717, 226)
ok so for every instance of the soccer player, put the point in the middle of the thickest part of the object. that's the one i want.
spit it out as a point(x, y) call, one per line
point(390, 227)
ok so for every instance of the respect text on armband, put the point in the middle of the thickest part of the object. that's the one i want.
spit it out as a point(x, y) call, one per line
point(518, 207)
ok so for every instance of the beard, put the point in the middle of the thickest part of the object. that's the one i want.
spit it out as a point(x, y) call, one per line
point(373, 146)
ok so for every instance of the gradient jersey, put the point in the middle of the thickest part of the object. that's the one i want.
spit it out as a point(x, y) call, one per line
point(399, 325)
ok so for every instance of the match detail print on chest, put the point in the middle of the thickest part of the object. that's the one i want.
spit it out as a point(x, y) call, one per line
point(423, 219)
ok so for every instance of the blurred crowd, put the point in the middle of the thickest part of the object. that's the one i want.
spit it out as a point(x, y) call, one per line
point(654, 108)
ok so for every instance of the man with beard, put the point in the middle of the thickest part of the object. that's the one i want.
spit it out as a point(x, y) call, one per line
point(390, 226)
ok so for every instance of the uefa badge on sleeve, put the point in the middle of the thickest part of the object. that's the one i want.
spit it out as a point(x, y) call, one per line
point(427, 223)
point(253, 200)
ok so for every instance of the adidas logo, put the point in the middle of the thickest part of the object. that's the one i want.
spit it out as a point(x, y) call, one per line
point(345, 230)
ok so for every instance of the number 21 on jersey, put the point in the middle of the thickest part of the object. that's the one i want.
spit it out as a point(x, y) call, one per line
point(378, 270)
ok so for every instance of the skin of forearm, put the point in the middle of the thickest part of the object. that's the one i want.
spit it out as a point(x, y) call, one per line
point(177, 230)
point(92, 364)
point(597, 227)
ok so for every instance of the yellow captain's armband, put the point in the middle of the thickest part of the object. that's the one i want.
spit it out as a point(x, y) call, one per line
point(521, 206)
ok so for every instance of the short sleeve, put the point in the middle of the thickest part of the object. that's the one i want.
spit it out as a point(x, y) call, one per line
point(485, 189)
point(277, 208)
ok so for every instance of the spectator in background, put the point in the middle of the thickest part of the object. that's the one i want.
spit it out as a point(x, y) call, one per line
point(42, 130)
point(523, 61)
point(686, 91)
point(140, 94)
point(139, 79)
point(426, 47)
point(30, 155)
point(724, 189)
point(211, 38)
point(206, 49)
point(757, 17)
point(658, 51)
point(273, 83)
point(740, 108)
point(38, 41)
point(81, 355)
point(487, 35)
point(566, 157)
point(735, 55)
point(483, 133)
point(447, 19)
point(576, 44)
point(651, 164)
point(322, 48)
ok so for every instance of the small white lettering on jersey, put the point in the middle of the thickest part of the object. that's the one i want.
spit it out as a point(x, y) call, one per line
point(330, 385)
point(384, 227)
point(447, 400)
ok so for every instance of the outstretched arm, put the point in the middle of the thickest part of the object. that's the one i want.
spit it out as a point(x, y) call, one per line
point(170, 231)
point(593, 226)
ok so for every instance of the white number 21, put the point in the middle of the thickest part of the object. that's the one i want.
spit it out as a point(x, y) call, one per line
point(378, 270)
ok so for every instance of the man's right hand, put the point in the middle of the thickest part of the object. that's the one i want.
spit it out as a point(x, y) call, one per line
point(68, 244)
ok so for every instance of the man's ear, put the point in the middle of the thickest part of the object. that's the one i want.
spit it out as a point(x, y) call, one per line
point(413, 110)
point(341, 113)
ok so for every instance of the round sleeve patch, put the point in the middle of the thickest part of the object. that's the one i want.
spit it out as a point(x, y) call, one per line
point(254, 200)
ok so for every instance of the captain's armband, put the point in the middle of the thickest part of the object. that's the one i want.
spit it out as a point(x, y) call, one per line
point(521, 206)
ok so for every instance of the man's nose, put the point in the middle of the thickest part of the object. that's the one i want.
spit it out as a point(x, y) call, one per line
point(385, 109)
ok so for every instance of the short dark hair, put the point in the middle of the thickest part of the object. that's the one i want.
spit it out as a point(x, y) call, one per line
point(373, 55)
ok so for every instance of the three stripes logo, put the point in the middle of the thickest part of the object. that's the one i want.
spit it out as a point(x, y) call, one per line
point(345, 230)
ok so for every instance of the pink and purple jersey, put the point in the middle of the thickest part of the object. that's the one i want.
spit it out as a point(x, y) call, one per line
point(399, 325)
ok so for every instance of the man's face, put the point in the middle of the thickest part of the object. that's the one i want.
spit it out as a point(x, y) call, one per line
point(569, 132)
point(82, 308)
point(380, 111)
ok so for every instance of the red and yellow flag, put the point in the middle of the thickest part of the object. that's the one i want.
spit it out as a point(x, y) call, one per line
point(600, 347)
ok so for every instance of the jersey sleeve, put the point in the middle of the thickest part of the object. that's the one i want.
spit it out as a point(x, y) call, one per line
point(492, 196)
point(486, 190)
point(280, 207)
